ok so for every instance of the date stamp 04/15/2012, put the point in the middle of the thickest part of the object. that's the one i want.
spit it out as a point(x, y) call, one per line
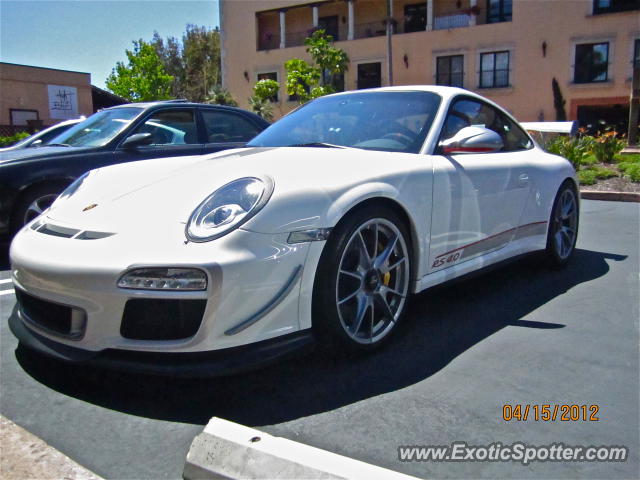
point(550, 413)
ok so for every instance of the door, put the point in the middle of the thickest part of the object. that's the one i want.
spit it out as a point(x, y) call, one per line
point(174, 132)
point(369, 75)
point(479, 198)
point(226, 129)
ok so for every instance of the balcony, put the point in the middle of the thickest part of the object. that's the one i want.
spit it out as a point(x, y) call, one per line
point(352, 20)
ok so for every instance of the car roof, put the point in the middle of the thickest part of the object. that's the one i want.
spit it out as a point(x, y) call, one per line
point(443, 91)
point(146, 106)
point(170, 103)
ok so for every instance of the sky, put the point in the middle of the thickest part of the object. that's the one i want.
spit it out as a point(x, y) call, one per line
point(91, 35)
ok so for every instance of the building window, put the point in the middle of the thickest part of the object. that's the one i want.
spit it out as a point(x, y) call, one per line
point(499, 10)
point(415, 17)
point(269, 76)
point(450, 71)
point(592, 62)
point(494, 70)
point(612, 6)
point(369, 75)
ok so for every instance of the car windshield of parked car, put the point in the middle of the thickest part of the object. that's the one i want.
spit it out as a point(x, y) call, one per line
point(378, 120)
point(99, 129)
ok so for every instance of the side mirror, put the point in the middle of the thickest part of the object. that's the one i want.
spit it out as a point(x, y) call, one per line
point(472, 140)
point(138, 140)
point(37, 143)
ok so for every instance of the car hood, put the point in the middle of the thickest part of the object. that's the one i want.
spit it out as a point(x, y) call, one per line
point(36, 153)
point(154, 195)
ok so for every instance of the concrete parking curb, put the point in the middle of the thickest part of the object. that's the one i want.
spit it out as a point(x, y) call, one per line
point(25, 456)
point(227, 450)
point(611, 196)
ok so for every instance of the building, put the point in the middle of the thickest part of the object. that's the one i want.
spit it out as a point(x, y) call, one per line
point(34, 97)
point(507, 50)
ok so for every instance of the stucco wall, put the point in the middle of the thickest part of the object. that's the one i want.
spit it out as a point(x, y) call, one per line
point(560, 24)
point(25, 87)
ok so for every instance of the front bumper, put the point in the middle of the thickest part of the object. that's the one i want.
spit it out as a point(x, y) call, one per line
point(253, 295)
point(227, 361)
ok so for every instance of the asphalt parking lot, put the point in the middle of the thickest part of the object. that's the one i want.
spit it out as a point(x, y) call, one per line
point(521, 334)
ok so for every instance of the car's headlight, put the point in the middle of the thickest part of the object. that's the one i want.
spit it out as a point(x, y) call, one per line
point(228, 207)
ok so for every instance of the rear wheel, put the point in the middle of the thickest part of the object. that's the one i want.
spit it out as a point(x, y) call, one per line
point(563, 225)
point(362, 282)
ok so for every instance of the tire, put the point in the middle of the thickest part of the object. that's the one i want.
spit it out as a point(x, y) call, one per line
point(360, 295)
point(563, 226)
point(32, 203)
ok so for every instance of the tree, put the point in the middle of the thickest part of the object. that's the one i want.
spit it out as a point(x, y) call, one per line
point(194, 62)
point(143, 78)
point(306, 81)
point(264, 92)
point(170, 53)
point(332, 61)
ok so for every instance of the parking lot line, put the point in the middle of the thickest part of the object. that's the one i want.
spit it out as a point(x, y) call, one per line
point(7, 292)
point(5, 280)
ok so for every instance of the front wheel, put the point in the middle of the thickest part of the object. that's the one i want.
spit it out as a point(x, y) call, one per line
point(563, 225)
point(33, 203)
point(362, 282)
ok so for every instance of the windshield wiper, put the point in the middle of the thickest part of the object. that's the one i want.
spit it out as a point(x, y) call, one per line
point(316, 144)
point(57, 145)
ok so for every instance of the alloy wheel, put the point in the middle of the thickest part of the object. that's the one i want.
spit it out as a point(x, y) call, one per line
point(372, 281)
point(38, 206)
point(565, 222)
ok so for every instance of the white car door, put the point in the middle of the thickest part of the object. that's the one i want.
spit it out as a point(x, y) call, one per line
point(478, 198)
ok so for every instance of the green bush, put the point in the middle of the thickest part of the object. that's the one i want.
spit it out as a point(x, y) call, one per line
point(575, 149)
point(261, 107)
point(589, 160)
point(220, 96)
point(607, 146)
point(266, 89)
point(631, 170)
point(602, 173)
point(627, 158)
point(587, 177)
point(12, 139)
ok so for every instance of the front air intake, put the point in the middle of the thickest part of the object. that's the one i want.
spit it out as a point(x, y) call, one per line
point(161, 319)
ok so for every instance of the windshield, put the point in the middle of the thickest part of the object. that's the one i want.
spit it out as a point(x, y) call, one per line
point(386, 121)
point(99, 129)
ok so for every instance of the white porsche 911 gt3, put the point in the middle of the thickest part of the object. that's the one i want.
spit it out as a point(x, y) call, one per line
point(320, 228)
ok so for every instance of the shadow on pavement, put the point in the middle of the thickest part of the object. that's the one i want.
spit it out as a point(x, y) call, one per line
point(441, 324)
point(4, 255)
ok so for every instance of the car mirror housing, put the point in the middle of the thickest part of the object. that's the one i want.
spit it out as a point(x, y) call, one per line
point(137, 140)
point(472, 140)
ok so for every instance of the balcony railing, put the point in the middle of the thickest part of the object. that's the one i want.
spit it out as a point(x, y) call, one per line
point(453, 20)
point(269, 41)
point(372, 29)
point(442, 21)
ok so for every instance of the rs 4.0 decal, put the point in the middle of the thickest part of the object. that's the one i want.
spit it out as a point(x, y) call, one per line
point(447, 259)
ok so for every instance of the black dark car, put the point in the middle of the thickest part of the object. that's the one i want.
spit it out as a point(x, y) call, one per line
point(31, 179)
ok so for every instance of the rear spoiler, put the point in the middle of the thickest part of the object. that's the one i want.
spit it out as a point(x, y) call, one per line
point(568, 128)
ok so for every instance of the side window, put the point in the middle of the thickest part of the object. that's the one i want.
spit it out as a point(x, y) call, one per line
point(512, 135)
point(463, 113)
point(222, 126)
point(467, 112)
point(171, 127)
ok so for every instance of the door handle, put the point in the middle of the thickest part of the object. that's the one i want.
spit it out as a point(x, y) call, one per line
point(523, 180)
